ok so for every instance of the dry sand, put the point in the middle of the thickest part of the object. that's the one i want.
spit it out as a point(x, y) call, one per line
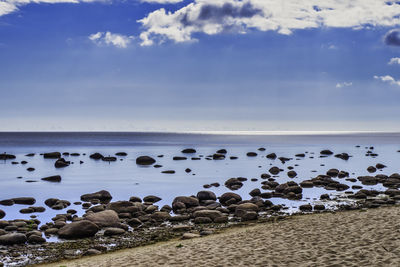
point(370, 238)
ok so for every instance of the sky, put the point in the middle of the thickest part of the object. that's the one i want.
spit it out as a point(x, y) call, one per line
point(181, 65)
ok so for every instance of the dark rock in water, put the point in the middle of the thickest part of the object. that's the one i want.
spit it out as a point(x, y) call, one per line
point(271, 156)
point(2, 214)
point(75, 154)
point(343, 156)
point(188, 170)
point(343, 174)
point(12, 239)
point(283, 159)
point(291, 174)
point(179, 158)
point(30, 169)
point(168, 172)
point(371, 169)
point(306, 207)
point(52, 155)
point(145, 160)
point(319, 207)
point(30, 155)
point(96, 156)
point(102, 195)
point(61, 163)
point(151, 199)
point(24, 162)
point(332, 172)
point(7, 202)
point(38, 209)
point(368, 180)
point(274, 170)
point(24, 200)
point(233, 157)
point(157, 166)
point(261, 149)
point(307, 184)
point(229, 196)
point(325, 197)
point(222, 151)
point(107, 218)
point(251, 154)
point(54, 178)
point(121, 154)
point(233, 183)
point(326, 152)
point(109, 159)
point(218, 156)
point(380, 166)
point(206, 195)
point(189, 151)
point(265, 176)
point(57, 204)
point(79, 229)
point(266, 195)
point(26, 210)
point(5, 156)
point(215, 184)
point(301, 155)
point(255, 192)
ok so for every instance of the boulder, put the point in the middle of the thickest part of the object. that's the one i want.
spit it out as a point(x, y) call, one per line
point(291, 174)
point(145, 160)
point(271, 156)
point(245, 207)
point(79, 229)
point(6, 156)
point(113, 231)
point(36, 239)
point(326, 152)
point(24, 200)
point(151, 199)
point(61, 163)
point(121, 154)
point(96, 156)
point(107, 218)
point(109, 159)
point(102, 195)
point(52, 155)
point(189, 202)
point(274, 170)
point(222, 151)
point(2, 214)
point(206, 195)
point(251, 154)
point(160, 216)
point(189, 151)
point(233, 183)
point(54, 178)
point(249, 216)
point(120, 206)
point(212, 214)
point(13, 239)
point(7, 202)
point(255, 192)
point(224, 198)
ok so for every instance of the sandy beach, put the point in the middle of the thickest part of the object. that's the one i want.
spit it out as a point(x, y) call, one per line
point(352, 238)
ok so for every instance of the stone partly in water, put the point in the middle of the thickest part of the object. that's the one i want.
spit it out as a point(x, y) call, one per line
point(145, 160)
point(61, 163)
point(2, 214)
point(24, 200)
point(54, 178)
point(229, 196)
point(103, 196)
point(151, 199)
point(6, 156)
point(12, 239)
point(96, 156)
point(107, 218)
point(189, 151)
point(52, 155)
point(79, 229)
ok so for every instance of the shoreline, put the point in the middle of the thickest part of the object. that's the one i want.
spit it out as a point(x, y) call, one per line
point(351, 238)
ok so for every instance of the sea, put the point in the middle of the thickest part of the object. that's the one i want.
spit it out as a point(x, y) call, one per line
point(124, 178)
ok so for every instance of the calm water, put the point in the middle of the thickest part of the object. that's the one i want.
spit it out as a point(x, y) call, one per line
point(124, 178)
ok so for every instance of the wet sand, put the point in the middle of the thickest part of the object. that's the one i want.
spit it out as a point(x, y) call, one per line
point(352, 238)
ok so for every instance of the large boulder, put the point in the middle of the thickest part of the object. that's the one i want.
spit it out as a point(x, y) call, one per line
point(188, 202)
point(228, 196)
point(12, 239)
point(206, 195)
point(212, 214)
point(107, 218)
point(120, 206)
point(160, 216)
point(244, 208)
point(24, 200)
point(2, 214)
point(102, 195)
point(145, 160)
point(151, 199)
point(79, 229)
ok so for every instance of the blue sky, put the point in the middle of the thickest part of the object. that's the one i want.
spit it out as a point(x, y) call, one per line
point(199, 65)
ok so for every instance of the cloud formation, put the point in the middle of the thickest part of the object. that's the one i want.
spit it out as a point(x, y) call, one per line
point(108, 38)
point(217, 16)
point(388, 79)
point(393, 37)
point(9, 6)
point(394, 61)
point(344, 84)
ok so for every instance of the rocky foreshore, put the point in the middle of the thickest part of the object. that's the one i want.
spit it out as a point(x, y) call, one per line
point(109, 225)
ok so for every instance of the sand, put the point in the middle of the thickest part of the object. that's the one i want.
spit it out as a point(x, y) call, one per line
point(354, 238)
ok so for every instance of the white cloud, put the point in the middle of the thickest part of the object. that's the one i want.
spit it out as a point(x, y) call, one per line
point(344, 84)
point(394, 61)
point(9, 6)
point(216, 16)
point(388, 79)
point(108, 38)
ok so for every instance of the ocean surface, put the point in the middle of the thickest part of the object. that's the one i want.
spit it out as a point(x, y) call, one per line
point(124, 178)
